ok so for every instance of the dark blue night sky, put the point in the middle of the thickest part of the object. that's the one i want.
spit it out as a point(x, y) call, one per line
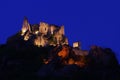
point(91, 22)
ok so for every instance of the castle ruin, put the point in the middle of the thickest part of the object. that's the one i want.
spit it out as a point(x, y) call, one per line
point(44, 34)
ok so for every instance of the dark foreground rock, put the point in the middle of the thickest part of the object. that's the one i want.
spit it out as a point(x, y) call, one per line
point(26, 62)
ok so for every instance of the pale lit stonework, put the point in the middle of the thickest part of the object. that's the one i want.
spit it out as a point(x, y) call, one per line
point(45, 34)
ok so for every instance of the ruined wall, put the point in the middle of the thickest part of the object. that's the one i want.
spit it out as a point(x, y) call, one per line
point(27, 36)
point(35, 28)
point(40, 41)
point(44, 33)
point(25, 26)
point(43, 28)
point(58, 37)
point(66, 41)
point(61, 31)
point(52, 29)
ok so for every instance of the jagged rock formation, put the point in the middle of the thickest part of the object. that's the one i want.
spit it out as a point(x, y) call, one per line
point(44, 34)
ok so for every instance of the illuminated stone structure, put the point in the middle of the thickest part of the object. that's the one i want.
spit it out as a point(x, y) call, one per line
point(40, 41)
point(77, 49)
point(43, 28)
point(45, 34)
point(25, 27)
point(77, 45)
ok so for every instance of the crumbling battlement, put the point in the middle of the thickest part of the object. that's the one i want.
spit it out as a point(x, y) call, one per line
point(44, 33)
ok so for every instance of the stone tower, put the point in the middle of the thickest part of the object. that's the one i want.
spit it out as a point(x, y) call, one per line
point(58, 37)
point(52, 29)
point(25, 26)
point(43, 28)
point(61, 31)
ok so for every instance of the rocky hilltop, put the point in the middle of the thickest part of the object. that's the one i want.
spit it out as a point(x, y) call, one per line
point(42, 52)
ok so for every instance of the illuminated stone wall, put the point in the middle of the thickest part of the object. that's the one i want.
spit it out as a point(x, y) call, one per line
point(52, 29)
point(44, 33)
point(77, 45)
point(40, 41)
point(25, 26)
point(61, 31)
point(43, 28)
